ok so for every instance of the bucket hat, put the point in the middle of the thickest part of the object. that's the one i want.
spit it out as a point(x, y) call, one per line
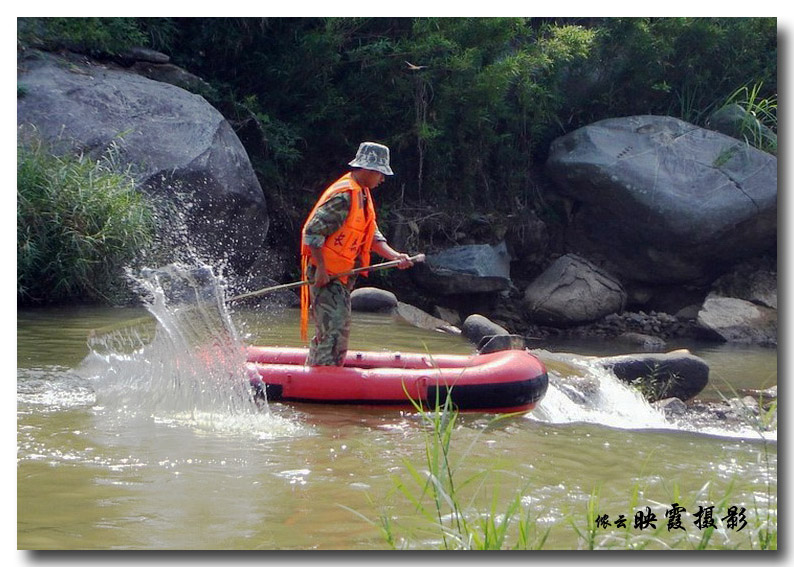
point(373, 156)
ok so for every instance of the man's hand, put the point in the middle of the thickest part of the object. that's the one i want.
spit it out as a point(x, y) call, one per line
point(321, 277)
point(405, 261)
point(381, 248)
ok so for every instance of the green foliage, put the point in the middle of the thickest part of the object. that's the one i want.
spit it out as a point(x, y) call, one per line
point(657, 384)
point(95, 36)
point(160, 33)
point(467, 105)
point(588, 534)
point(496, 98)
point(758, 125)
point(80, 221)
point(676, 66)
point(282, 141)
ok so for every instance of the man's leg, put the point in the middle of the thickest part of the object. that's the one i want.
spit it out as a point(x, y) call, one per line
point(331, 310)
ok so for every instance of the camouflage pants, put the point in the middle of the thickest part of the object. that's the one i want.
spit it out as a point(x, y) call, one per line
point(331, 312)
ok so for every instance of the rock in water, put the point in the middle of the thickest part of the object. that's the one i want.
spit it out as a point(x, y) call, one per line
point(739, 321)
point(372, 299)
point(573, 291)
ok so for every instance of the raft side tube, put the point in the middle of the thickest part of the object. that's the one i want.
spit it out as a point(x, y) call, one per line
point(501, 381)
point(360, 359)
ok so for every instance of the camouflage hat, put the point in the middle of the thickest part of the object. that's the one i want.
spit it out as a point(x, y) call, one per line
point(373, 156)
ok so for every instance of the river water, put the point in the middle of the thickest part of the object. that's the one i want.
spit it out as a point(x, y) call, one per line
point(130, 436)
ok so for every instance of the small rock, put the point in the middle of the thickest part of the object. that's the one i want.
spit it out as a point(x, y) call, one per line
point(495, 343)
point(449, 315)
point(145, 54)
point(643, 341)
point(419, 318)
point(573, 291)
point(737, 320)
point(765, 397)
point(475, 327)
point(689, 313)
point(671, 406)
point(373, 300)
point(744, 406)
point(474, 268)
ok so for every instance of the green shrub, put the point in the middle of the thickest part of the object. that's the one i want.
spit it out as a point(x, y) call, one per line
point(80, 221)
point(84, 35)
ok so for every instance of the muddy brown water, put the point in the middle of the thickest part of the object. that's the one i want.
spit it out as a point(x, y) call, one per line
point(122, 444)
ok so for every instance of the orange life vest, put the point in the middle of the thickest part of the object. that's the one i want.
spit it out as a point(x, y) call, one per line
point(351, 241)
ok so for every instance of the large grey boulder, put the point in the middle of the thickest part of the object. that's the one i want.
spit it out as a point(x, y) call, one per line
point(181, 149)
point(473, 268)
point(573, 291)
point(664, 201)
point(735, 320)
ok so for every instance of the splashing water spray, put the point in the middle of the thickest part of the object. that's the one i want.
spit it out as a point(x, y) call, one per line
point(192, 370)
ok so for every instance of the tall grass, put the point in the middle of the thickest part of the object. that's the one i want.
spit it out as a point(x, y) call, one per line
point(79, 222)
point(448, 506)
point(758, 125)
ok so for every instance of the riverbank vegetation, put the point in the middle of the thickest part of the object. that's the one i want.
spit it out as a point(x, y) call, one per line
point(468, 106)
point(80, 221)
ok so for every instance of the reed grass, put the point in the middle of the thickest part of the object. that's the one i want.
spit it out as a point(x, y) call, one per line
point(447, 506)
point(759, 122)
point(80, 221)
point(457, 514)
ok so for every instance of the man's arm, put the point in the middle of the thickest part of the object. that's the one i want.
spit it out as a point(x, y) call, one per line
point(382, 248)
point(327, 220)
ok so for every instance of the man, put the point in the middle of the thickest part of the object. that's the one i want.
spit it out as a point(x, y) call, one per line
point(338, 236)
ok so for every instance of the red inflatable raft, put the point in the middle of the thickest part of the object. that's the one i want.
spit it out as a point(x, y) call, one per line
point(498, 382)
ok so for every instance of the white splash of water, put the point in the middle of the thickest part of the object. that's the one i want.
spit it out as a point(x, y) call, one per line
point(192, 371)
point(592, 394)
point(52, 388)
point(608, 402)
